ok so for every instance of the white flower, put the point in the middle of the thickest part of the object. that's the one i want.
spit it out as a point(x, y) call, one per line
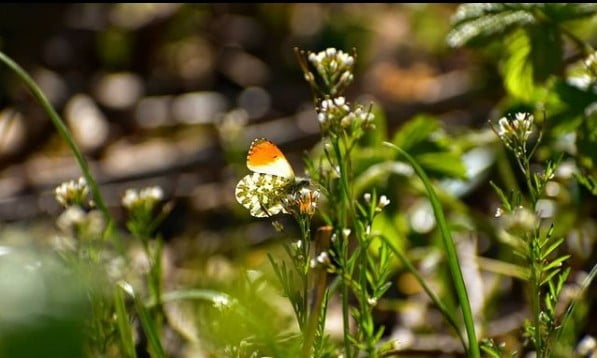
point(346, 233)
point(515, 132)
point(382, 203)
point(221, 302)
point(372, 301)
point(146, 197)
point(367, 197)
point(72, 192)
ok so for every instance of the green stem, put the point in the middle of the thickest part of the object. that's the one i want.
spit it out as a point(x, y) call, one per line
point(342, 221)
point(62, 130)
point(536, 309)
point(453, 263)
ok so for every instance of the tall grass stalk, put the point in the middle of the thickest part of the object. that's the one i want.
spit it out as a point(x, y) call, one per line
point(453, 262)
point(63, 131)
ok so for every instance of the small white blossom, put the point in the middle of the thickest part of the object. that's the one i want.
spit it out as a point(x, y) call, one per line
point(146, 197)
point(587, 345)
point(322, 260)
point(520, 219)
point(367, 197)
point(372, 301)
point(72, 192)
point(346, 233)
point(515, 132)
point(221, 302)
point(383, 202)
point(499, 212)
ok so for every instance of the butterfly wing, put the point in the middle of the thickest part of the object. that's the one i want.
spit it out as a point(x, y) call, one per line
point(266, 158)
point(262, 194)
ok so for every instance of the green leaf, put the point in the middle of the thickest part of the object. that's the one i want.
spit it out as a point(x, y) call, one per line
point(552, 247)
point(124, 324)
point(546, 50)
point(503, 197)
point(415, 131)
point(451, 255)
point(480, 22)
point(518, 67)
point(445, 163)
point(556, 263)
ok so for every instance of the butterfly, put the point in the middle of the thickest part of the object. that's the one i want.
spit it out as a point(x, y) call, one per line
point(264, 191)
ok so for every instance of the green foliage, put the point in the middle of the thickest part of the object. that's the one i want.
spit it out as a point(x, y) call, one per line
point(480, 22)
point(421, 136)
point(534, 36)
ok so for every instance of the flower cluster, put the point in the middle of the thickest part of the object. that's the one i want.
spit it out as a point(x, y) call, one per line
point(72, 193)
point(515, 132)
point(145, 199)
point(334, 67)
point(381, 203)
point(519, 221)
point(302, 202)
point(81, 224)
point(335, 115)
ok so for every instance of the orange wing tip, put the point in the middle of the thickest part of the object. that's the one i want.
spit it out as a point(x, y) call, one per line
point(263, 152)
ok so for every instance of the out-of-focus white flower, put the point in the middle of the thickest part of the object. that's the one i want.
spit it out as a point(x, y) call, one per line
point(367, 197)
point(74, 192)
point(322, 260)
point(76, 221)
point(520, 220)
point(221, 302)
point(144, 198)
point(587, 345)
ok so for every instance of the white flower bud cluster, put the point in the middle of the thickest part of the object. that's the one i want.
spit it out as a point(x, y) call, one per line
point(72, 192)
point(333, 65)
point(382, 202)
point(146, 197)
point(335, 114)
point(516, 132)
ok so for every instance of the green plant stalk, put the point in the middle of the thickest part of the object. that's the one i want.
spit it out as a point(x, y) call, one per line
point(536, 307)
point(319, 280)
point(344, 245)
point(453, 263)
point(62, 130)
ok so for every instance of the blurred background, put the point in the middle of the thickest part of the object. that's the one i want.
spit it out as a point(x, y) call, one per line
point(173, 94)
point(148, 90)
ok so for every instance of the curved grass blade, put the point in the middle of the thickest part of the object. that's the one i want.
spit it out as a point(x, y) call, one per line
point(442, 308)
point(453, 263)
point(61, 128)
